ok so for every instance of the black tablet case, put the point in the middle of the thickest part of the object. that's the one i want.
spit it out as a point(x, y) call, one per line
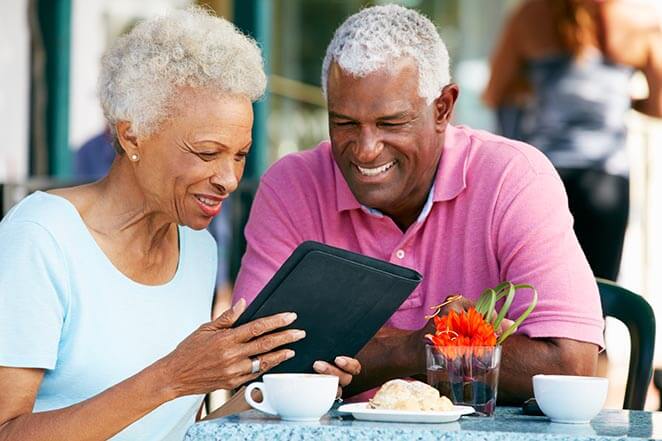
point(341, 299)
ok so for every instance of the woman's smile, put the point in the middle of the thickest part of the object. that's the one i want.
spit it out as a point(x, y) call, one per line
point(209, 205)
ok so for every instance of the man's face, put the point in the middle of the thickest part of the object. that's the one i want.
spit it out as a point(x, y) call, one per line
point(385, 139)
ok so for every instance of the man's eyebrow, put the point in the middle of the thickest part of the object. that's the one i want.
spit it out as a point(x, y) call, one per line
point(333, 114)
point(395, 116)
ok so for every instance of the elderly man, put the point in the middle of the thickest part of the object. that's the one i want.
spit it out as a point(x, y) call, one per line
point(466, 208)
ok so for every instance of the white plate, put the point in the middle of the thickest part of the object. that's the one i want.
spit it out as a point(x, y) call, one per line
point(361, 411)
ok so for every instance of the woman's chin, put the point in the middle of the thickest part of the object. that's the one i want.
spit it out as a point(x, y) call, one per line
point(200, 223)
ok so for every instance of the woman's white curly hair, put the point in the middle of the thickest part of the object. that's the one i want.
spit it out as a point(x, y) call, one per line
point(371, 38)
point(141, 73)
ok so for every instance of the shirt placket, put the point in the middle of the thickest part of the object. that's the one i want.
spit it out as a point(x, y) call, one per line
point(404, 254)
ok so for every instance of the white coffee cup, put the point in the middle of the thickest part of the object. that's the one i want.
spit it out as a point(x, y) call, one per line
point(294, 397)
point(570, 399)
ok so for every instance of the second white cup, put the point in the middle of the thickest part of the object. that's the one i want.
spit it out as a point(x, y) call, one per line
point(570, 399)
point(294, 397)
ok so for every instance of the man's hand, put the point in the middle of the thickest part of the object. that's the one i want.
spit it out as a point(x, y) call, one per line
point(345, 369)
point(459, 303)
point(455, 302)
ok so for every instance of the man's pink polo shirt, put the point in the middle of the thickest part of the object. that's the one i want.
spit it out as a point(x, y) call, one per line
point(497, 212)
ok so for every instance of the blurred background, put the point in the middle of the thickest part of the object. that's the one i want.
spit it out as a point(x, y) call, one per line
point(49, 63)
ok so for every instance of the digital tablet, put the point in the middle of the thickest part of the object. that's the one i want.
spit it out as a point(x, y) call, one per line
point(341, 299)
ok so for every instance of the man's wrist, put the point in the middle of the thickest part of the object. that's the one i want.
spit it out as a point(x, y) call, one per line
point(416, 343)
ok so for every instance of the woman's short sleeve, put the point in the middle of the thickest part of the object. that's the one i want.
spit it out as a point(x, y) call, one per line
point(33, 295)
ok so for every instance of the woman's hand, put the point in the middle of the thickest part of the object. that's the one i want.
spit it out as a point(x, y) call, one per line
point(345, 369)
point(216, 356)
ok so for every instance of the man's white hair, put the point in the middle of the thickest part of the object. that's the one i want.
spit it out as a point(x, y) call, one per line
point(141, 73)
point(375, 36)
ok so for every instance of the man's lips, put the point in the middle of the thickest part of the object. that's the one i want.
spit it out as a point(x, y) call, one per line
point(375, 171)
point(209, 204)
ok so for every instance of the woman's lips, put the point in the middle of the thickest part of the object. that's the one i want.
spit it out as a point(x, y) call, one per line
point(210, 205)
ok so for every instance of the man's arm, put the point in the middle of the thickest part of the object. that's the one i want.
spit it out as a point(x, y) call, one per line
point(391, 353)
point(522, 358)
point(534, 243)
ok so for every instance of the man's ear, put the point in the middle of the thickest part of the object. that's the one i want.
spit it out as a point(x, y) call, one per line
point(444, 105)
point(127, 140)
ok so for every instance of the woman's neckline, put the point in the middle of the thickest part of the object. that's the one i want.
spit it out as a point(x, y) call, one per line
point(89, 237)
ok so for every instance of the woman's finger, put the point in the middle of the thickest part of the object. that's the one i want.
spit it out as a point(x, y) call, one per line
point(264, 325)
point(244, 371)
point(227, 319)
point(322, 367)
point(268, 343)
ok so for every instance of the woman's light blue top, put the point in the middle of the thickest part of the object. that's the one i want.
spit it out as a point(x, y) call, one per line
point(65, 308)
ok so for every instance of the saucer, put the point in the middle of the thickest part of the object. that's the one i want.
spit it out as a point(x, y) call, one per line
point(361, 411)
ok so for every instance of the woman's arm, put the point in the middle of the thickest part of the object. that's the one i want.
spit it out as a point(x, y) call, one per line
point(214, 357)
point(506, 82)
point(99, 417)
point(652, 105)
point(634, 38)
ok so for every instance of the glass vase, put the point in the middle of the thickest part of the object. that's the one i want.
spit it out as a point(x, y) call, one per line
point(467, 375)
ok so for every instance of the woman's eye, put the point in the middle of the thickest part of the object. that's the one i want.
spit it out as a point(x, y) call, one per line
point(240, 157)
point(207, 156)
point(344, 123)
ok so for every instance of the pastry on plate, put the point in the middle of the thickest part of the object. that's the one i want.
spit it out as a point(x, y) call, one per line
point(409, 395)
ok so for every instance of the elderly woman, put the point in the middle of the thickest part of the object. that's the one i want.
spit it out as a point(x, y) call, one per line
point(105, 288)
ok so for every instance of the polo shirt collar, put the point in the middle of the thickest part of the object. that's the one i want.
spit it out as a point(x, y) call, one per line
point(345, 199)
point(451, 178)
point(449, 181)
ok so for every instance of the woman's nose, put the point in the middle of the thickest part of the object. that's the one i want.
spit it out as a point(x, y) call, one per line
point(225, 179)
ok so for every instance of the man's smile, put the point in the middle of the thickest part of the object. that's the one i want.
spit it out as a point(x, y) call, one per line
point(376, 171)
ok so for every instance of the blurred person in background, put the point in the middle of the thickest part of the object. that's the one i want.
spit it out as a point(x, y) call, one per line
point(94, 158)
point(561, 82)
point(106, 288)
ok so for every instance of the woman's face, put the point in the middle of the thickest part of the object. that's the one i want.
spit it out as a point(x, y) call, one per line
point(196, 157)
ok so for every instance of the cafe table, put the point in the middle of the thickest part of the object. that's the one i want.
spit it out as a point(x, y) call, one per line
point(508, 424)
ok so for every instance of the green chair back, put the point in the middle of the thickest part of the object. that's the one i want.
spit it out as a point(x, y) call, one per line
point(635, 312)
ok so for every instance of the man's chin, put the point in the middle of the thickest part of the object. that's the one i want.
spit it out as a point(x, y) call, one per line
point(377, 196)
point(375, 202)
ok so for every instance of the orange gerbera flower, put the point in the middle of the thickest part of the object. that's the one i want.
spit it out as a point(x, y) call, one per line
point(466, 328)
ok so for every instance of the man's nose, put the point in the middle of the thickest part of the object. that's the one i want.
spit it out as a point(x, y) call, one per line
point(225, 179)
point(368, 146)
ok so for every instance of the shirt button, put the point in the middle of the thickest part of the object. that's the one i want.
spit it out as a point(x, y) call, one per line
point(400, 254)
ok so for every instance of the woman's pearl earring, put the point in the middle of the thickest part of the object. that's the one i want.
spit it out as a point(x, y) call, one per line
point(134, 157)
